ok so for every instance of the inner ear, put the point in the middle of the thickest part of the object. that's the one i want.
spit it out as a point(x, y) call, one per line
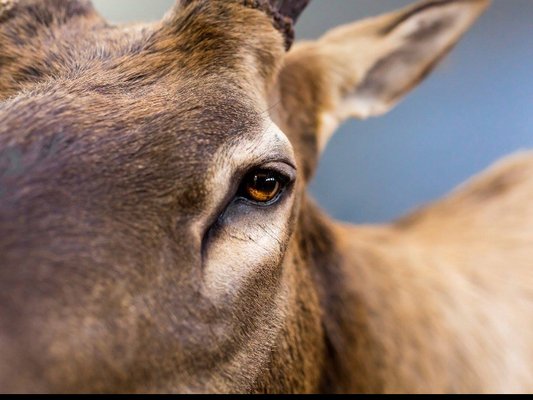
point(409, 46)
point(421, 35)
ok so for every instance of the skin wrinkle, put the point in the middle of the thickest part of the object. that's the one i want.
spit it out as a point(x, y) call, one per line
point(126, 266)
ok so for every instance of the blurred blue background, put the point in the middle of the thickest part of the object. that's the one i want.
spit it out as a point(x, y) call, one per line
point(476, 108)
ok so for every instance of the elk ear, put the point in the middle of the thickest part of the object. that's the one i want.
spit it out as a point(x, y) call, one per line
point(363, 70)
point(25, 32)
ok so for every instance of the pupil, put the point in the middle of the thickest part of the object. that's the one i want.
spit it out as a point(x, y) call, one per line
point(265, 183)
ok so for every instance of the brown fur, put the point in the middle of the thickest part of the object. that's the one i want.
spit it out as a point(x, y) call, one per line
point(127, 265)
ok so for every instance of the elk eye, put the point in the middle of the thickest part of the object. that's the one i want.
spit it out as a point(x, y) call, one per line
point(262, 186)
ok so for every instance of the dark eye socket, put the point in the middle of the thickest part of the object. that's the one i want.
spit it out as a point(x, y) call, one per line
point(262, 186)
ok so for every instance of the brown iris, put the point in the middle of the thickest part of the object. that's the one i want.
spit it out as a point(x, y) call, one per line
point(262, 186)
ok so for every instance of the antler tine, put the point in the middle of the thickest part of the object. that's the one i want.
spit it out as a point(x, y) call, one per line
point(291, 8)
point(286, 14)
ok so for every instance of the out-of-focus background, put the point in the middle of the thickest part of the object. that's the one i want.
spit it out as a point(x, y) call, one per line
point(476, 108)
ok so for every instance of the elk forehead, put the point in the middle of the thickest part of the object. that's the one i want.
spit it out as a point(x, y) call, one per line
point(235, 38)
point(229, 38)
point(177, 139)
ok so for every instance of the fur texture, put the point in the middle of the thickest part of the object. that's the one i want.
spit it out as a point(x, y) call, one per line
point(130, 264)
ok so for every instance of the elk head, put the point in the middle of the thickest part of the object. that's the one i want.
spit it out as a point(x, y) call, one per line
point(154, 228)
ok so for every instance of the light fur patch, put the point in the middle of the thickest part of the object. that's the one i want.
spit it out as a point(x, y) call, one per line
point(5, 6)
point(249, 242)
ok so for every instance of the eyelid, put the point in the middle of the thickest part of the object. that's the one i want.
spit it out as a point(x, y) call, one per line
point(283, 167)
point(287, 170)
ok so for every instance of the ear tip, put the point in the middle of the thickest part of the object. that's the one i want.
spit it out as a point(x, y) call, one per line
point(486, 3)
point(482, 5)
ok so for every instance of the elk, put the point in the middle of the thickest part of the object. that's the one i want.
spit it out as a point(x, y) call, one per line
point(155, 231)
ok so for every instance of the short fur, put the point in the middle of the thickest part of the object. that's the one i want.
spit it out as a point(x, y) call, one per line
point(128, 265)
